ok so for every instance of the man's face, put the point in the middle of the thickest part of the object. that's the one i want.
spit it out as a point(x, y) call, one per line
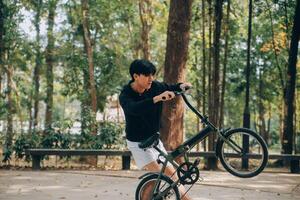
point(144, 81)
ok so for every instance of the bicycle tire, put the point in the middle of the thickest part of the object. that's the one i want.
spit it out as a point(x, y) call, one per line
point(237, 168)
point(153, 177)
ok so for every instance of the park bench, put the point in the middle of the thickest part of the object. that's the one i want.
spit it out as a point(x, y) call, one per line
point(37, 154)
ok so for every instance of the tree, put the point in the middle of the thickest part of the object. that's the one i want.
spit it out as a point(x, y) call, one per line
point(38, 62)
point(289, 94)
point(89, 53)
point(9, 131)
point(203, 59)
point(174, 69)
point(49, 61)
point(226, 49)
point(246, 121)
point(215, 95)
point(146, 17)
point(2, 16)
point(9, 44)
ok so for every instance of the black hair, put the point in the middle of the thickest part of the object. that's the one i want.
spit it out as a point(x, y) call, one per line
point(141, 66)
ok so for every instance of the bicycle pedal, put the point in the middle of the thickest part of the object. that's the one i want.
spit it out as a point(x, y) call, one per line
point(196, 162)
point(159, 161)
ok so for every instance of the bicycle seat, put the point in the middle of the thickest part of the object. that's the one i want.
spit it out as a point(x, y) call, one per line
point(149, 142)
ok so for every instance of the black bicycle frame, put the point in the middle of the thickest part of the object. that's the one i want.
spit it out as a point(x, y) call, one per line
point(190, 143)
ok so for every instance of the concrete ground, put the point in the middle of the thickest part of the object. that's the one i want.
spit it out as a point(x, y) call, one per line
point(121, 185)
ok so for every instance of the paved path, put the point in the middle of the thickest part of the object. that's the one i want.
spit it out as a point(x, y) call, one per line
point(120, 185)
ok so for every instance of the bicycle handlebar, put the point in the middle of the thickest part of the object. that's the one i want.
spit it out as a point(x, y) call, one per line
point(204, 119)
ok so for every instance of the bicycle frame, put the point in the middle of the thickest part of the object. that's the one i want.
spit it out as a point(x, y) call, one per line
point(190, 143)
point(186, 146)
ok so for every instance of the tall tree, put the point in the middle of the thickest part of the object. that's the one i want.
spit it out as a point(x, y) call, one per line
point(90, 113)
point(8, 47)
point(210, 35)
point(203, 59)
point(215, 95)
point(175, 65)
point(211, 138)
point(49, 61)
point(246, 120)
point(38, 62)
point(9, 130)
point(223, 84)
point(246, 116)
point(2, 15)
point(261, 107)
point(146, 17)
point(289, 92)
point(89, 52)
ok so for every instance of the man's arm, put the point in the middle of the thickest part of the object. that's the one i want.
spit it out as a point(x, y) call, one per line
point(174, 87)
point(132, 107)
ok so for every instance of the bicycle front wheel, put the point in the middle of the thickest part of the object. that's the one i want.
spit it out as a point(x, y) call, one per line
point(244, 153)
point(164, 189)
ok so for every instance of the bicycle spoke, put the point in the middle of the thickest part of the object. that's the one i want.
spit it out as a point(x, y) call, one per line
point(249, 160)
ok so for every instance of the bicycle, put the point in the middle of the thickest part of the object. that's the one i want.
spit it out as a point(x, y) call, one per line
point(242, 152)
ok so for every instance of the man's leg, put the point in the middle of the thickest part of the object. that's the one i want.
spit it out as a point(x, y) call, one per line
point(169, 171)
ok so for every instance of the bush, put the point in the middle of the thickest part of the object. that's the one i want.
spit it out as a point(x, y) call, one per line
point(56, 139)
point(109, 136)
point(23, 142)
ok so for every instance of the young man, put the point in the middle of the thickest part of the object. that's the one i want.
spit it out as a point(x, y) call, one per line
point(141, 100)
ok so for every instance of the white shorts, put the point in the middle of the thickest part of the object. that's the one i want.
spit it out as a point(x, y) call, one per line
point(143, 157)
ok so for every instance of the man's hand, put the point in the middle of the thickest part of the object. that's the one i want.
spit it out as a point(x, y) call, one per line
point(165, 96)
point(185, 86)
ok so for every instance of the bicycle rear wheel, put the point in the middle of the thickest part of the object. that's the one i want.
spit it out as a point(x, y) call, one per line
point(244, 153)
point(163, 191)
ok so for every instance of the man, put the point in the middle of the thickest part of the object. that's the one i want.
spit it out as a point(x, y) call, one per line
point(141, 100)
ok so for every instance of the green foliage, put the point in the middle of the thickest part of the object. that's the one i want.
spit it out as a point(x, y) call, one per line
point(274, 138)
point(87, 141)
point(7, 152)
point(55, 139)
point(109, 136)
point(23, 142)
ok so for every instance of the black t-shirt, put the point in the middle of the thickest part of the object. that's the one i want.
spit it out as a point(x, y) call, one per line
point(141, 114)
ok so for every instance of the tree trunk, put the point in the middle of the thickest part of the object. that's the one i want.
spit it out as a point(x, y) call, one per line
point(215, 96)
point(261, 109)
point(209, 89)
point(246, 119)
point(226, 35)
point(85, 105)
point(210, 24)
point(203, 66)
point(92, 84)
point(146, 17)
point(9, 130)
point(49, 62)
point(175, 61)
point(89, 52)
point(289, 96)
point(38, 65)
point(246, 115)
point(2, 32)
